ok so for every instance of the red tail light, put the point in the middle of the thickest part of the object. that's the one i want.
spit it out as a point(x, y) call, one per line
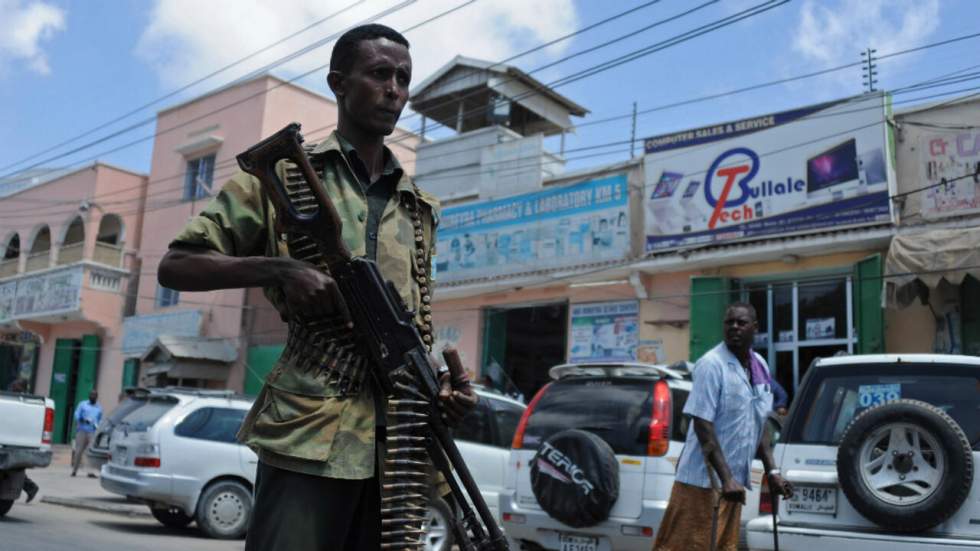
point(147, 462)
point(518, 441)
point(765, 500)
point(48, 426)
point(660, 420)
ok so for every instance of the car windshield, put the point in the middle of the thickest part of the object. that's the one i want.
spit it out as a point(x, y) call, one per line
point(615, 409)
point(148, 413)
point(834, 398)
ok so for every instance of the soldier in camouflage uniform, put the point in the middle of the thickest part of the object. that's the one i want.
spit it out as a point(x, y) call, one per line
point(319, 446)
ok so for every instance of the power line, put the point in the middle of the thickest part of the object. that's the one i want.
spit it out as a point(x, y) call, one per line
point(230, 162)
point(219, 109)
point(932, 82)
point(513, 164)
point(184, 87)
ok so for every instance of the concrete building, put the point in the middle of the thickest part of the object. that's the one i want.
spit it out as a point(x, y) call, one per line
point(68, 275)
point(933, 264)
point(789, 211)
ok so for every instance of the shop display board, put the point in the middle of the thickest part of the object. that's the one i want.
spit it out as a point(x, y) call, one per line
point(559, 227)
point(604, 331)
point(948, 157)
point(815, 168)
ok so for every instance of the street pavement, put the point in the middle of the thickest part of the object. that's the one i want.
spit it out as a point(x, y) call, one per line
point(77, 514)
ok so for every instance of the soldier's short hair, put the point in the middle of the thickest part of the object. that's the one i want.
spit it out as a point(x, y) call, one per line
point(345, 50)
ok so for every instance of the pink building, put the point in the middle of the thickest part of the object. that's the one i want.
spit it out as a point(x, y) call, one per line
point(204, 339)
point(67, 277)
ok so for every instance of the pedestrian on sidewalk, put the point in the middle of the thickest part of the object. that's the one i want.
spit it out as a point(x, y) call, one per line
point(729, 403)
point(87, 417)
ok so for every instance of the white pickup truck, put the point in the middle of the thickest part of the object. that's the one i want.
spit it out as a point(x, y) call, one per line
point(25, 441)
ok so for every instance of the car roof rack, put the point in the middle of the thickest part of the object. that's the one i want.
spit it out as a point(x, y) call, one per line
point(613, 369)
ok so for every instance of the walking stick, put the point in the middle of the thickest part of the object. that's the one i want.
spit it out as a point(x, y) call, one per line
point(774, 499)
point(715, 502)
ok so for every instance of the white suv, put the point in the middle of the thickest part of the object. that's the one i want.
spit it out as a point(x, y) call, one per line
point(178, 454)
point(882, 451)
point(594, 458)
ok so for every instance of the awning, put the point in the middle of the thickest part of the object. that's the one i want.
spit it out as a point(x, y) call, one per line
point(931, 257)
point(190, 358)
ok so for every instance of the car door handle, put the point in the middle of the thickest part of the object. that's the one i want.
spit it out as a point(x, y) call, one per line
point(812, 477)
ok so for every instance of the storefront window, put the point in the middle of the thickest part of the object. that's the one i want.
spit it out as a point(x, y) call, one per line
point(822, 311)
point(799, 321)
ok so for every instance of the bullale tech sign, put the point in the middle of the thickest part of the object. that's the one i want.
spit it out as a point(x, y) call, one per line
point(819, 167)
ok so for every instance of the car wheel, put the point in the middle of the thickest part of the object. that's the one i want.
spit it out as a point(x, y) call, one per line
point(172, 517)
point(224, 510)
point(438, 526)
point(5, 505)
point(905, 465)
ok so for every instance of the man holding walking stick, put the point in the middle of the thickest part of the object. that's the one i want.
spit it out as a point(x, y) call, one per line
point(728, 405)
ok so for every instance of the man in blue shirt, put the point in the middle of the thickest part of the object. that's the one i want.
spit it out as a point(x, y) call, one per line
point(87, 417)
point(729, 404)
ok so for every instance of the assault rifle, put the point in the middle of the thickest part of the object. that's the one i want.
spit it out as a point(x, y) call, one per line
point(384, 327)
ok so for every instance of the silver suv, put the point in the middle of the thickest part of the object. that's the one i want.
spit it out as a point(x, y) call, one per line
point(177, 453)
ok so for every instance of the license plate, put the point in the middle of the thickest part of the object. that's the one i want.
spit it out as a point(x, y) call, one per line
point(821, 500)
point(577, 543)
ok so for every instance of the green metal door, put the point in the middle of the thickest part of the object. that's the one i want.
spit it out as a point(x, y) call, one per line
point(88, 367)
point(131, 373)
point(710, 297)
point(869, 316)
point(62, 373)
point(260, 362)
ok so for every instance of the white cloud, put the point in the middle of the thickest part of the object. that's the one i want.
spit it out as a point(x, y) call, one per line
point(23, 26)
point(187, 39)
point(832, 34)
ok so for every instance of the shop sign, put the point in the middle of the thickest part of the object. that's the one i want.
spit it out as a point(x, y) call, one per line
point(816, 168)
point(139, 332)
point(950, 156)
point(604, 331)
point(558, 228)
point(54, 292)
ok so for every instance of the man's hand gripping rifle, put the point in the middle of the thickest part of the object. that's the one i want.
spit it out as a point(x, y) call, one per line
point(384, 327)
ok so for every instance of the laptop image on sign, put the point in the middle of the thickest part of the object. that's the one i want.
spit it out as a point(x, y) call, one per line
point(662, 209)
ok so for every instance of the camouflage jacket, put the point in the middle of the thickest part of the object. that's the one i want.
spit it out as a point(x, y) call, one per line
point(299, 421)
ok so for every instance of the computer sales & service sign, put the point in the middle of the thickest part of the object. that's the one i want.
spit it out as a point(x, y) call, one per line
point(821, 167)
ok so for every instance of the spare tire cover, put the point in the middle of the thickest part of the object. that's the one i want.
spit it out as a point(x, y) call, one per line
point(575, 476)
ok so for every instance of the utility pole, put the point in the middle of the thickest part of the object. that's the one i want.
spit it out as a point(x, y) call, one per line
point(869, 69)
point(633, 132)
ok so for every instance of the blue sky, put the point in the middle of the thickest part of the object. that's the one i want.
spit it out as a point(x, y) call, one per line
point(69, 66)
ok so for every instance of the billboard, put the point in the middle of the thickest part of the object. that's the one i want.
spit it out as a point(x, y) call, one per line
point(555, 228)
point(604, 332)
point(949, 156)
point(52, 292)
point(816, 168)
